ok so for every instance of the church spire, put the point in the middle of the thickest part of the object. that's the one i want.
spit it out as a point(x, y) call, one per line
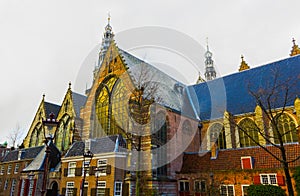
point(244, 65)
point(210, 72)
point(295, 50)
point(106, 40)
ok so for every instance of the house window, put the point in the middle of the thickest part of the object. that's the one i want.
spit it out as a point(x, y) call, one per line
point(31, 184)
point(118, 188)
point(9, 169)
point(22, 187)
point(101, 185)
point(2, 170)
point(200, 186)
point(13, 186)
point(227, 190)
point(16, 168)
point(268, 179)
point(6, 184)
point(71, 169)
point(102, 165)
point(70, 189)
point(244, 189)
point(247, 162)
point(184, 186)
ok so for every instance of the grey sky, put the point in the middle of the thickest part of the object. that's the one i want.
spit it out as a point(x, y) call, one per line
point(43, 44)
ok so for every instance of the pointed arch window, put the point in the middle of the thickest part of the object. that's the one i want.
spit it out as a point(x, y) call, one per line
point(286, 129)
point(62, 136)
point(217, 135)
point(248, 132)
point(37, 136)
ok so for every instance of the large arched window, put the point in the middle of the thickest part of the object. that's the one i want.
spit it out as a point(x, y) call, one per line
point(111, 102)
point(217, 135)
point(37, 136)
point(248, 132)
point(62, 136)
point(286, 129)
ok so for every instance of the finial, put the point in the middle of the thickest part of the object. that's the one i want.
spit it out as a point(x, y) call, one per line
point(108, 17)
point(70, 85)
point(242, 57)
point(294, 41)
point(207, 43)
point(43, 96)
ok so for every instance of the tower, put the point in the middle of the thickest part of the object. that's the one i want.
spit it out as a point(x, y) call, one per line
point(210, 72)
point(106, 40)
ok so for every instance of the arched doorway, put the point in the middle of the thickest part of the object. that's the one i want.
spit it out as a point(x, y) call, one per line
point(54, 189)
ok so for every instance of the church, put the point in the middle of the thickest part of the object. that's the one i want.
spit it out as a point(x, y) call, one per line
point(138, 131)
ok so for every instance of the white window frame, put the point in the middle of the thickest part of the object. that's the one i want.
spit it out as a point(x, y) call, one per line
point(9, 169)
point(244, 185)
point(71, 169)
point(69, 188)
point(101, 163)
point(200, 186)
point(247, 157)
point(227, 190)
point(269, 178)
point(17, 166)
point(31, 185)
point(118, 192)
point(2, 170)
point(100, 185)
point(184, 185)
point(13, 186)
point(5, 184)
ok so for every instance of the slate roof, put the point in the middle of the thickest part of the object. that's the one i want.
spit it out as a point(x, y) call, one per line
point(170, 91)
point(50, 107)
point(28, 153)
point(230, 159)
point(78, 102)
point(98, 146)
point(231, 92)
point(38, 162)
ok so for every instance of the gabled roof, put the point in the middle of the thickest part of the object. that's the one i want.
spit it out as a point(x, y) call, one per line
point(98, 146)
point(50, 107)
point(27, 153)
point(231, 92)
point(38, 162)
point(78, 101)
point(170, 93)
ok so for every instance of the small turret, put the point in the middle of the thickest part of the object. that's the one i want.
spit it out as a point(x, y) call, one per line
point(244, 65)
point(210, 72)
point(295, 49)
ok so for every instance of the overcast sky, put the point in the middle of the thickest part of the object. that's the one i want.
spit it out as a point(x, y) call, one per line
point(44, 44)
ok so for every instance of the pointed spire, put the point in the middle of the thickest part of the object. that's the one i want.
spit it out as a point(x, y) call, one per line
point(106, 40)
point(295, 49)
point(210, 72)
point(244, 65)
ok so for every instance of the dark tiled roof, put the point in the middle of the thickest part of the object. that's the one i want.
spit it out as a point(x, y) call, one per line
point(231, 92)
point(78, 101)
point(98, 146)
point(28, 153)
point(169, 92)
point(231, 159)
point(50, 107)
